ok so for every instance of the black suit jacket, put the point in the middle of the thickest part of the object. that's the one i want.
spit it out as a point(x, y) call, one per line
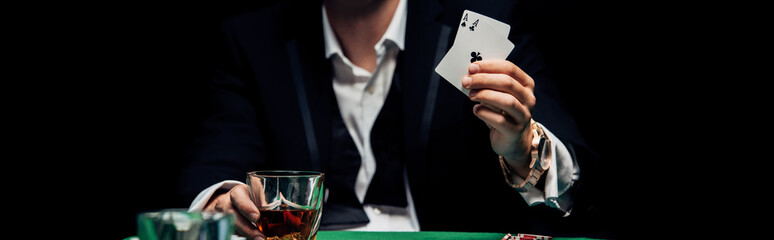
point(270, 108)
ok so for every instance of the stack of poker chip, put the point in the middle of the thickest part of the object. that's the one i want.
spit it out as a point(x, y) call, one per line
point(522, 236)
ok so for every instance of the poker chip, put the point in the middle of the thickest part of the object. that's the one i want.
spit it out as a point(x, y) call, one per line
point(523, 236)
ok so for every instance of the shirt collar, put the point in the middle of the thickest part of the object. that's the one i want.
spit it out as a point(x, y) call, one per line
point(396, 31)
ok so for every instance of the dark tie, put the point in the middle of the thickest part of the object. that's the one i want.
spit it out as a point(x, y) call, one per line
point(386, 187)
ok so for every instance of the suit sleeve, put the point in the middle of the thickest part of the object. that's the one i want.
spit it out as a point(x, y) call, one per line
point(228, 142)
point(578, 165)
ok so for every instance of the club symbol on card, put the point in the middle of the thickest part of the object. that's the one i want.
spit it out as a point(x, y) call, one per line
point(473, 26)
point(475, 56)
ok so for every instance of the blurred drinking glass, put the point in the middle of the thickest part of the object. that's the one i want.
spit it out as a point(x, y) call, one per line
point(179, 224)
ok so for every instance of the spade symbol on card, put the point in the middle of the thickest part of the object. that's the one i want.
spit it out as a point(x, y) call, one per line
point(464, 19)
point(475, 56)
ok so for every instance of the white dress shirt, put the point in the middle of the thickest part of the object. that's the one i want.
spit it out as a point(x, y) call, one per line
point(361, 95)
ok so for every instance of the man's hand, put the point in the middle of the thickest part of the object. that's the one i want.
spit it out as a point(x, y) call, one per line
point(506, 97)
point(237, 201)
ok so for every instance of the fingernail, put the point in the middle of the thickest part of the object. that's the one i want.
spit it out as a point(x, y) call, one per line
point(473, 68)
point(254, 217)
point(466, 82)
point(473, 93)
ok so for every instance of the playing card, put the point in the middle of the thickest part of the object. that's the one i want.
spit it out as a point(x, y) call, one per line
point(469, 24)
point(484, 43)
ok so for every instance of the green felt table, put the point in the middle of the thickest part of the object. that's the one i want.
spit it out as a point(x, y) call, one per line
point(350, 235)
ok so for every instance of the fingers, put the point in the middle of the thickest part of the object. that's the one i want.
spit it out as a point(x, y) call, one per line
point(503, 67)
point(494, 119)
point(246, 229)
point(237, 201)
point(240, 198)
point(511, 116)
point(503, 76)
point(506, 97)
point(497, 101)
point(500, 82)
point(246, 211)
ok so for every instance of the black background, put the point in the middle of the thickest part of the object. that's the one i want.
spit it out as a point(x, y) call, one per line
point(136, 74)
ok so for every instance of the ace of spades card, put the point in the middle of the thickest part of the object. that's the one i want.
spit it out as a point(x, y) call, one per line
point(483, 42)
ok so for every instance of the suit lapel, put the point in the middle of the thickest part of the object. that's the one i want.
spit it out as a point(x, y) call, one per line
point(426, 43)
point(311, 73)
point(416, 68)
point(427, 40)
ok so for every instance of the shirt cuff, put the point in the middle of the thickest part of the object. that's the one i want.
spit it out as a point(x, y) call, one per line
point(204, 197)
point(559, 179)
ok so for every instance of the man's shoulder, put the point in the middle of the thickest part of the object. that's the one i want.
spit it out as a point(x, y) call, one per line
point(279, 19)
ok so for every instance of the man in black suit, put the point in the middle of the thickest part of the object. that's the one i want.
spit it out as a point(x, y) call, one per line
point(348, 88)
